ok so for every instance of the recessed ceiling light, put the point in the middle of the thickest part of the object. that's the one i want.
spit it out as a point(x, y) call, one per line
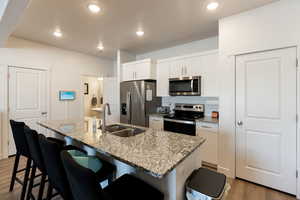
point(212, 6)
point(57, 33)
point(100, 47)
point(140, 33)
point(100, 79)
point(94, 8)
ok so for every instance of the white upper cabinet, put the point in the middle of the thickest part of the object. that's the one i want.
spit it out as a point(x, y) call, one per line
point(204, 64)
point(176, 68)
point(162, 79)
point(209, 78)
point(139, 70)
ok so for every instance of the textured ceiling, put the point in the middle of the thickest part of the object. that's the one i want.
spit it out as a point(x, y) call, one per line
point(165, 22)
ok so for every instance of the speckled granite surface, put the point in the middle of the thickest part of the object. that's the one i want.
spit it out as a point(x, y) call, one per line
point(156, 152)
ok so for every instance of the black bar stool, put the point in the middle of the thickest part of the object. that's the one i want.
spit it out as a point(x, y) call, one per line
point(56, 173)
point(32, 138)
point(22, 150)
point(85, 186)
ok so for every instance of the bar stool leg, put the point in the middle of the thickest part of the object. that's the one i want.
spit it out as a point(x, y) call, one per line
point(31, 182)
point(49, 192)
point(27, 171)
point(42, 186)
point(14, 173)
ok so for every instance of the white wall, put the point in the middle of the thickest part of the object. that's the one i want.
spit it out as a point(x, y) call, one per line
point(66, 69)
point(184, 49)
point(273, 26)
point(10, 13)
point(3, 103)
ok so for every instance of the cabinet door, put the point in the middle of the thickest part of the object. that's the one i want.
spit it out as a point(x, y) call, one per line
point(128, 72)
point(194, 66)
point(156, 123)
point(176, 68)
point(142, 71)
point(210, 76)
point(210, 146)
point(162, 77)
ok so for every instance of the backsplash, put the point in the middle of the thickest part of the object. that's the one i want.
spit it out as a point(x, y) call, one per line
point(211, 103)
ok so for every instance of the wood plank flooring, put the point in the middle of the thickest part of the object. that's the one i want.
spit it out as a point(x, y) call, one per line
point(240, 190)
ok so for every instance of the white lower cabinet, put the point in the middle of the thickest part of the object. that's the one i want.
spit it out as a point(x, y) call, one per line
point(210, 148)
point(156, 122)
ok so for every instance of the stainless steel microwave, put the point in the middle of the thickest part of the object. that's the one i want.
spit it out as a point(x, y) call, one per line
point(185, 86)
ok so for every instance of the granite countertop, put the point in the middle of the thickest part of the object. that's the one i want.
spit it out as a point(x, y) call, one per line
point(155, 152)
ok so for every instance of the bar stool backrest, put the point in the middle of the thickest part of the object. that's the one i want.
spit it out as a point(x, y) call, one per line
point(32, 138)
point(54, 167)
point(83, 181)
point(17, 129)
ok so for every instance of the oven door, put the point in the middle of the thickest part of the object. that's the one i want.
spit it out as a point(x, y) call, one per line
point(185, 86)
point(180, 126)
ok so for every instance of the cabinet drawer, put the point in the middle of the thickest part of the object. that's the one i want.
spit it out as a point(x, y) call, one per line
point(206, 126)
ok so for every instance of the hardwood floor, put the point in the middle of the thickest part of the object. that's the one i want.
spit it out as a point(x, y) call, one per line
point(240, 190)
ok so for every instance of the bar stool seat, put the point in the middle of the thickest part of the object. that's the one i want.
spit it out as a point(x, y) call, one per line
point(90, 162)
point(104, 170)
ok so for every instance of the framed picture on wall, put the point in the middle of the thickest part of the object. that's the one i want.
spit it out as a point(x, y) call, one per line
point(86, 88)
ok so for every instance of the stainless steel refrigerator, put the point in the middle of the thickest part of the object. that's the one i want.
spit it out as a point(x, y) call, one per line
point(138, 101)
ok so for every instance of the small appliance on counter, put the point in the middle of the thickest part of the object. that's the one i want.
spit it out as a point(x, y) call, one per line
point(163, 110)
point(183, 120)
point(215, 114)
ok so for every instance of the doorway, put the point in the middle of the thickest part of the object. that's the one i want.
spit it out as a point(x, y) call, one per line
point(92, 98)
point(266, 126)
point(27, 99)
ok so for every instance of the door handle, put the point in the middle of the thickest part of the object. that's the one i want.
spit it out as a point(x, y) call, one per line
point(44, 113)
point(239, 123)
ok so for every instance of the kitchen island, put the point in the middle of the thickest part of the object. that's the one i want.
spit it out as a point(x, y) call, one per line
point(162, 159)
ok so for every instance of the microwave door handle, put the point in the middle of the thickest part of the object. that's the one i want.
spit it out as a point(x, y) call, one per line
point(192, 85)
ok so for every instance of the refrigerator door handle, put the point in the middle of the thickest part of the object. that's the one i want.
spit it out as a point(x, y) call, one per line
point(128, 103)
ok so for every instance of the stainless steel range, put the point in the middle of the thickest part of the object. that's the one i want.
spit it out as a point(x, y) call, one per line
point(183, 120)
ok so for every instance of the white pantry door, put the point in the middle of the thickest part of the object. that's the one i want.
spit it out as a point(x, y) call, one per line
point(27, 99)
point(266, 118)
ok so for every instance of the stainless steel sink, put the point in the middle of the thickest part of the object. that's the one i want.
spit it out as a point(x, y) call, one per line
point(115, 127)
point(128, 132)
point(123, 131)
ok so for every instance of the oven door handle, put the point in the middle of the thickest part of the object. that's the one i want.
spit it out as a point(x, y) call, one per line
point(180, 121)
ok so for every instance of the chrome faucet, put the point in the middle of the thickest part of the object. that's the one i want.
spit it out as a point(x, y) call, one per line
point(103, 127)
